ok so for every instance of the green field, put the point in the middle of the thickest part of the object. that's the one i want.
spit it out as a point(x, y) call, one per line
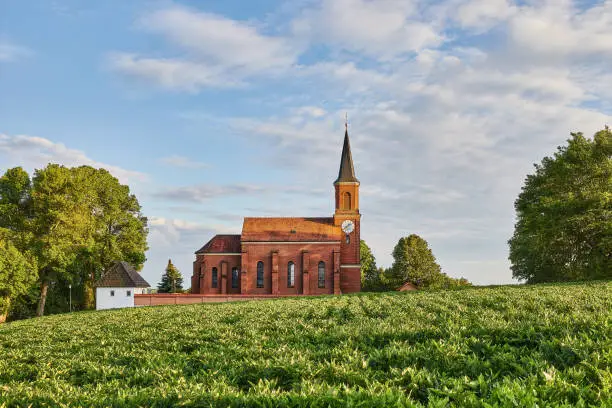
point(515, 346)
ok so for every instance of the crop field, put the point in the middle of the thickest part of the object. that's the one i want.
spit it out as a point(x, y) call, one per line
point(512, 346)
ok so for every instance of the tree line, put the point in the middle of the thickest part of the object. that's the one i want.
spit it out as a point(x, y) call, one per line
point(59, 229)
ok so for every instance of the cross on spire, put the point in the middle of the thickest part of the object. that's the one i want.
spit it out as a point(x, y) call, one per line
point(347, 171)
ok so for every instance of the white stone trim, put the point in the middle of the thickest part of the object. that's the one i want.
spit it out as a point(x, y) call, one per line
point(221, 253)
point(350, 266)
point(292, 242)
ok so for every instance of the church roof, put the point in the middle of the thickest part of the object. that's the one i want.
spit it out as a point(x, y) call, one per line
point(347, 171)
point(121, 275)
point(290, 229)
point(221, 243)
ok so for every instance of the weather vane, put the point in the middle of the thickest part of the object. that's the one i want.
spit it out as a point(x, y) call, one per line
point(346, 121)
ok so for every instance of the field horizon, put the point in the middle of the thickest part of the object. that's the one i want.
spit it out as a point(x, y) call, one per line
point(500, 345)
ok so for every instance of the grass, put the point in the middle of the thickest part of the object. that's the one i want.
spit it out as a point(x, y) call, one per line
point(514, 346)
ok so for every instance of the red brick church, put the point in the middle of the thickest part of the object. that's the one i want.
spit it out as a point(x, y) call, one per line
point(289, 255)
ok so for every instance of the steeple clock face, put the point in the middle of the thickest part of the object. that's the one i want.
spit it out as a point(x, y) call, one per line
point(348, 226)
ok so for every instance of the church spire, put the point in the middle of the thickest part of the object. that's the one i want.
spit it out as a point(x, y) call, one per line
point(347, 171)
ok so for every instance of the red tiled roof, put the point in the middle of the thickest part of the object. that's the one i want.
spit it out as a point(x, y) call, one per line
point(221, 243)
point(290, 229)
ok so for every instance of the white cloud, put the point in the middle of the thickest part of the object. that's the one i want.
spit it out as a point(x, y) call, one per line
point(484, 13)
point(310, 111)
point(222, 41)
point(557, 28)
point(217, 51)
point(172, 73)
point(182, 161)
point(36, 152)
point(375, 28)
point(10, 52)
point(204, 192)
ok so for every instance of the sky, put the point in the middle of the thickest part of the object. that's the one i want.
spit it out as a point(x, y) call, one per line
point(212, 111)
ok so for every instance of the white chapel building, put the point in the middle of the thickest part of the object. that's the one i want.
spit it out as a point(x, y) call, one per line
point(118, 285)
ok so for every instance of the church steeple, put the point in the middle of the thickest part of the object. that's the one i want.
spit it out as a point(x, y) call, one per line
point(348, 219)
point(346, 185)
point(347, 171)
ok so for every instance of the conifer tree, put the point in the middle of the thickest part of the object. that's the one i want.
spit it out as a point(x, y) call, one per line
point(172, 281)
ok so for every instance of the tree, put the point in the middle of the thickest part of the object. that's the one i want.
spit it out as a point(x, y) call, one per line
point(414, 262)
point(61, 225)
point(15, 273)
point(370, 277)
point(564, 214)
point(119, 229)
point(172, 281)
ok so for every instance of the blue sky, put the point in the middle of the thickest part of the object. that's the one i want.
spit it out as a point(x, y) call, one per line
point(212, 111)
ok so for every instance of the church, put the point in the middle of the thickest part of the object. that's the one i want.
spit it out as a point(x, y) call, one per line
point(289, 255)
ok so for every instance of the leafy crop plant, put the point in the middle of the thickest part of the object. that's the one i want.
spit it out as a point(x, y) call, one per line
point(509, 346)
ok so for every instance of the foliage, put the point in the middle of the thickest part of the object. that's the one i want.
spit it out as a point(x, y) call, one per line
point(15, 203)
point(414, 262)
point(119, 230)
point(172, 281)
point(16, 273)
point(521, 346)
point(76, 222)
point(370, 277)
point(564, 214)
point(17, 265)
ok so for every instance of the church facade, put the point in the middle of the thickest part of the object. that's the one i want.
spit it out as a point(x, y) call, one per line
point(289, 255)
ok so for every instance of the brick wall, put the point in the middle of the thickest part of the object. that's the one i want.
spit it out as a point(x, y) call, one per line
point(306, 258)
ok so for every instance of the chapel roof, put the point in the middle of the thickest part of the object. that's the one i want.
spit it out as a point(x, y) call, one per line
point(347, 171)
point(221, 243)
point(290, 229)
point(121, 275)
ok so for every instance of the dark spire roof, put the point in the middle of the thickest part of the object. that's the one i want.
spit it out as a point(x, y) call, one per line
point(347, 171)
point(121, 275)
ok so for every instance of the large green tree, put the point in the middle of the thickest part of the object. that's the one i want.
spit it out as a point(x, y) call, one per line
point(564, 214)
point(370, 277)
point(172, 280)
point(414, 262)
point(17, 272)
point(62, 223)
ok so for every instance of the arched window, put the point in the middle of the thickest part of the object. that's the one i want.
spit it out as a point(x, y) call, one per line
point(235, 277)
point(290, 275)
point(321, 274)
point(260, 274)
point(347, 201)
point(215, 277)
point(348, 239)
